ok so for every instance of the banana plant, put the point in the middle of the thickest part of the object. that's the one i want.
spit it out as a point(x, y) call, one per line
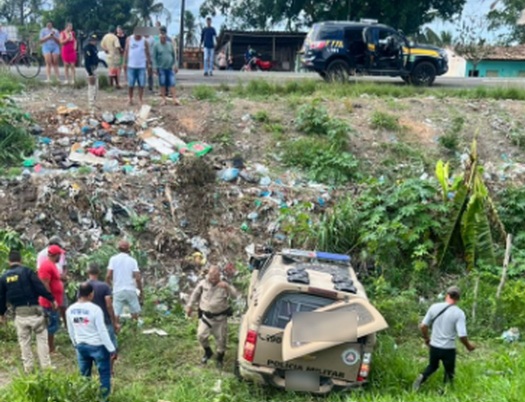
point(475, 216)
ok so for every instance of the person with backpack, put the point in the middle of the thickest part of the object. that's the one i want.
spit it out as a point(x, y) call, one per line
point(447, 321)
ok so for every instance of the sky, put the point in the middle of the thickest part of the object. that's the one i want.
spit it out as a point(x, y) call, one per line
point(472, 8)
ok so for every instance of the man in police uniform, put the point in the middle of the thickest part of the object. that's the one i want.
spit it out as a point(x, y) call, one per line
point(21, 287)
point(212, 295)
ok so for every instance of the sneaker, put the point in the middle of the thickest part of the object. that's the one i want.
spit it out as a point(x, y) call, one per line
point(417, 383)
point(211, 74)
point(205, 74)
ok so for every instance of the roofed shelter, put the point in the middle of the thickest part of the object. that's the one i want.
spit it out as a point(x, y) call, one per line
point(500, 61)
point(279, 47)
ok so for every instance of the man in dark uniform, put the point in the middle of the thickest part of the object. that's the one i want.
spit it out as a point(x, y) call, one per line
point(21, 287)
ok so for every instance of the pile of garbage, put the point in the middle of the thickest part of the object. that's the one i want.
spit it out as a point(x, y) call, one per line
point(124, 174)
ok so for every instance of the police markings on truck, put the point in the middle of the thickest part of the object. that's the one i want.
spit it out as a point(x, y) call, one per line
point(300, 367)
point(271, 338)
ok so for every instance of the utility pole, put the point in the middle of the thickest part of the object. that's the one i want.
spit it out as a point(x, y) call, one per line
point(348, 4)
point(181, 33)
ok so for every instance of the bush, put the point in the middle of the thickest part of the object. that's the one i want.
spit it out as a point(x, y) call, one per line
point(103, 82)
point(48, 386)
point(15, 140)
point(204, 92)
point(451, 139)
point(322, 161)
point(385, 121)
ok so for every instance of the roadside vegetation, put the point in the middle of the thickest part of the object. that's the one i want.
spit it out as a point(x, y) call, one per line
point(414, 220)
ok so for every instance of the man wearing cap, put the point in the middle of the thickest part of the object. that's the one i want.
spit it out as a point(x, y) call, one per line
point(91, 62)
point(447, 321)
point(50, 276)
point(123, 272)
point(62, 270)
point(20, 287)
point(213, 298)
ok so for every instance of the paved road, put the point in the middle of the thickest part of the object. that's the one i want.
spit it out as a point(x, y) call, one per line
point(190, 78)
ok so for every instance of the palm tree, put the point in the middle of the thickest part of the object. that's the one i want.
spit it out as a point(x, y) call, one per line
point(146, 9)
point(190, 37)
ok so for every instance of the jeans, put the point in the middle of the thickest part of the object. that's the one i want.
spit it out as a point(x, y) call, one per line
point(166, 78)
point(208, 59)
point(447, 356)
point(137, 75)
point(86, 355)
point(53, 321)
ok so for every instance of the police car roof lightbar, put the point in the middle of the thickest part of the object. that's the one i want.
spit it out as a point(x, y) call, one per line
point(319, 255)
point(368, 21)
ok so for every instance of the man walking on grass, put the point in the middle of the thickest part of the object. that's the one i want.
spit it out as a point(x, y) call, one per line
point(20, 287)
point(165, 64)
point(123, 272)
point(50, 276)
point(103, 298)
point(90, 337)
point(447, 321)
point(208, 36)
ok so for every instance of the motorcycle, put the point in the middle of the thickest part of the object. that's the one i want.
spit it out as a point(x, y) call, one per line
point(257, 64)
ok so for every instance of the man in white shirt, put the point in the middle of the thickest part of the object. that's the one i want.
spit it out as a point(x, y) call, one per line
point(447, 322)
point(124, 275)
point(3, 40)
point(90, 337)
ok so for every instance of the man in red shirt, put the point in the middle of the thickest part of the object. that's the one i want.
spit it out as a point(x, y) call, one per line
point(50, 276)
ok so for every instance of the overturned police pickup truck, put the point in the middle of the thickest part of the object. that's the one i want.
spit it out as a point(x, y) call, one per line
point(309, 325)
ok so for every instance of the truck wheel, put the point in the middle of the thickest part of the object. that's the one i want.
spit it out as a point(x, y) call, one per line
point(423, 74)
point(338, 71)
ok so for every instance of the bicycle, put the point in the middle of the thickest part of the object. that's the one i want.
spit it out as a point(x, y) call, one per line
point(26, 65)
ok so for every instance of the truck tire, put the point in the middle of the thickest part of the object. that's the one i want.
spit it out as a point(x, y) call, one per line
point(423, 74)
point(338, 71)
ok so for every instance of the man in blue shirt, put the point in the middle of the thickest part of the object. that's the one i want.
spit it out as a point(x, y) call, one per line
point(208, 40)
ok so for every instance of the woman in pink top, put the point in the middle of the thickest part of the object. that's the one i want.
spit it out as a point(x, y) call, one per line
point(69, 51)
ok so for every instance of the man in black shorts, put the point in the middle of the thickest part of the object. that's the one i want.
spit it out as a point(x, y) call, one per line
point(91, 63)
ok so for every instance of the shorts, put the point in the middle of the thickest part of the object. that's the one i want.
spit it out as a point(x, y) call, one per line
point(50, 49)
point(112, 335)
point(128, 298)
point(166, 78)
point(136, 75)
point(114, 71)
point(53, 321)
point(91, 68)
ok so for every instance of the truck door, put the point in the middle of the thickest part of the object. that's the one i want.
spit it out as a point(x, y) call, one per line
point(370, 39)
point(368, 321)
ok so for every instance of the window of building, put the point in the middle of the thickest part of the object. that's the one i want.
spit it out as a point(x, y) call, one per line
point(492, 73)
point(521, 74)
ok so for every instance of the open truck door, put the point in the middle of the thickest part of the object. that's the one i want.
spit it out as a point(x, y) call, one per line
point(330, 328)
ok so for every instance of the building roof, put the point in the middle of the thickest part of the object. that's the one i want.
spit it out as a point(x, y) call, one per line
point(511, 53)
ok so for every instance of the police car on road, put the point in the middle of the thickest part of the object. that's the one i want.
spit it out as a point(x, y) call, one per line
point(338, 49)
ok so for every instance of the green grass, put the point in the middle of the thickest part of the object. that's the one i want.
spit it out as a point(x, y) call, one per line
point(152, 368)
point(260, 89)
point(385, 121)
point(204, 92)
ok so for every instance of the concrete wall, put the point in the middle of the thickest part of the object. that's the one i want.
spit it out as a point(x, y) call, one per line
point(498, 68)
point(456, 65)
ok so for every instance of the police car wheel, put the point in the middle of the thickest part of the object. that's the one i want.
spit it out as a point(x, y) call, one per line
point(423, 74)
point(338, 71)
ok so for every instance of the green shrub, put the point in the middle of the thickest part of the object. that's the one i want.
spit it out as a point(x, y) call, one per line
point(15, 140)
point(313, 119)
point(451, 139)
point(322, 161)
point(385, 121)
point(48, 386)
point(103, 82)
point(204, 92)
point(10, 83)
point(261, 116)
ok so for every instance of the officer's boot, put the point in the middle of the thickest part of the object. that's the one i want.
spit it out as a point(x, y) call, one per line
point(220, 360)
point(208, 353)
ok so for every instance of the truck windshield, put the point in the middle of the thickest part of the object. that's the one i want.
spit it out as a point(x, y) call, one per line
point(280, 312)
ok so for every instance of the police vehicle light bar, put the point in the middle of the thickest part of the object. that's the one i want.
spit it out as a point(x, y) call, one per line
point(368, 21)
point(320, 255)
